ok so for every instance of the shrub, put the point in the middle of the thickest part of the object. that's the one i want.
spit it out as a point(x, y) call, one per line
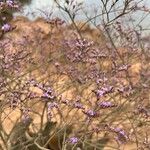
point(61, 90)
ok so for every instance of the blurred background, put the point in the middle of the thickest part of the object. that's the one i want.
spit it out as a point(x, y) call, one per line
point(90, 8)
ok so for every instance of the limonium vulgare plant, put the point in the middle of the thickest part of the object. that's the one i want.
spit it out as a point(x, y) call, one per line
point(80, 93)
point(7, 7)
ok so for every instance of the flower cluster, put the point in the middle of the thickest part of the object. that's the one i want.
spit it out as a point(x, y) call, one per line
point(6, 27)
point(122, 137)
point(103, 91)
point(91, 113)
point(125, 90)
point(124, 67)
point(77, 50)
point(14, 99)
point(25, 114)
point(48, 92)
point(73, 140)
point(9, 4)
point(78, 105)
point(50, 106)
point(83, 44)
point(144, 111)
point(106, 104)
point(84, 72)
point(48, 95)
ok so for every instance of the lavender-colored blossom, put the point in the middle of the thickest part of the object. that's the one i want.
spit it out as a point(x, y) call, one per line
point(107, 89)
point(121, 135)
point(32, 82)
point(103, 91)
point(49, 115)
point(25, 116)
point(6, 27)
point(32, 95)
point(144, 111)
point(124, 67)
point(98, 81)
point(49, 91)
point(83, 43)
point(73, 140)
point(78, 105)
point(90, 113)
point(52, 105)
point(100, 93)
point(41, 86)
point(120, 131)
point(27, 121)
point(10, 3)
point(125, 90)
point(97, 53)
point(105, 104)
point(45, 95)
point(14, 99)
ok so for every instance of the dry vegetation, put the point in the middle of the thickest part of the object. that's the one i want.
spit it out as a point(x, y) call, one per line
point(70, 80)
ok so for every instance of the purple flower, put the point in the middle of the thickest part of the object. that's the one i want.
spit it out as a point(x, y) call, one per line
point(144, 111)
point(48, 95)
point(73, 140)
point(107, 89)
point(83, 43)
point(124, 67)
point(100, 93)
point(105, 104)
point(120, 131)
point(48, 91)
point(78, 105)
point(25, 114)
point(27, 121)
point(90, 113)
point(52, 105)
point(103, 91)
point(125, 90)
point(6, 27)
point(121, 135)
point(10, 3)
